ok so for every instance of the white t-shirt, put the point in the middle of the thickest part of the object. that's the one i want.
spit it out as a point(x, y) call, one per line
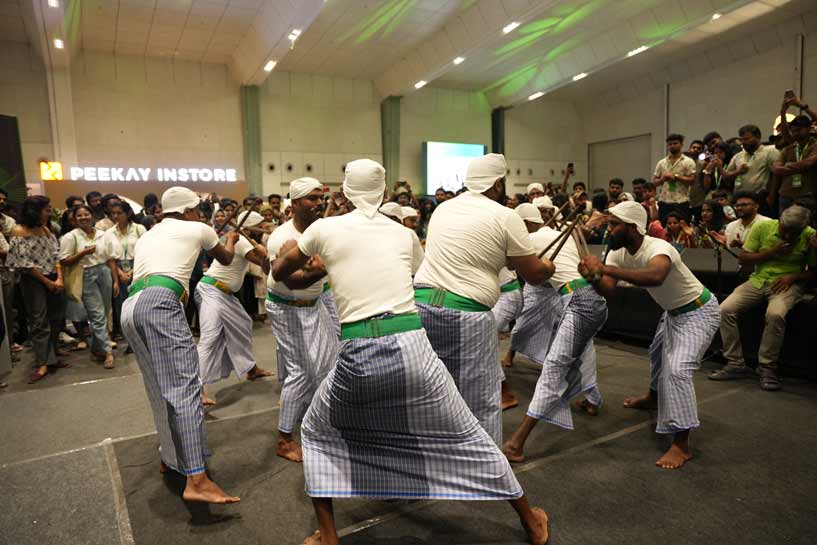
point(277, 239)
point(417, 252)
point(171, 249)
point(567, 262)
point(369, 263)
point(737, 231)
point(680, 286)
point(76, 240)
point(506, 276)
point(233, 274)
point(120, 245)
point(469, 240)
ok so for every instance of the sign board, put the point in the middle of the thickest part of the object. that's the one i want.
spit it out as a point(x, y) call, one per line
point(54, 171)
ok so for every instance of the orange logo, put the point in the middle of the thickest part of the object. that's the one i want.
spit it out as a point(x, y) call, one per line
point(50, 171)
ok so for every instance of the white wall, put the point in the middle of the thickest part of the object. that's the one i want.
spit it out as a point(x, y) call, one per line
point(439, 115)
point(541, 137)
point(132, 111)
point(23, 94)
point(319, 121)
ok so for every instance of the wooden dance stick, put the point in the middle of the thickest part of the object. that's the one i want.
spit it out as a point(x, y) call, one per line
point(560, 237)
point(230, 218)
point(568, 234)
point(556, 214)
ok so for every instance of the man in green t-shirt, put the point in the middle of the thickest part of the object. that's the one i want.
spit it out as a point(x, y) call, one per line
point(783, 253)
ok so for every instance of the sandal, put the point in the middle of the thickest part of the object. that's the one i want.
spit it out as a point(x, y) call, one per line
point(36, 377)
point(769, 382)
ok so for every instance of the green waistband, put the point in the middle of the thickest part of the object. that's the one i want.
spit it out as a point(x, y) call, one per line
point(441, 298)
point(157, 280)
point(513, 285)
point(216, 284)
point(573, 285)
point(380, 327)
point(703, 299)
point(327, 287)
point(291, 302)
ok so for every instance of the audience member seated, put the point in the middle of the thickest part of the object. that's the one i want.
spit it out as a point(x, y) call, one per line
point(678, 232)
point(638, 189)
point(673, 176)
point(722, 198)
point(614, 189)
point(747, 205)
point(783, 253)
point(533, 191)
point(650, 202)
point(711, 225)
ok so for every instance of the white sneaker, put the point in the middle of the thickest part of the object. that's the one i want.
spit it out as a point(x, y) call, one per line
point(65, 338)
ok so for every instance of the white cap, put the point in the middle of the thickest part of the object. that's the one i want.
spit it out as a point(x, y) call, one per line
point(534, 185)
point(392, 209)
point(408, 212)
point(484, 171)
point(626, 196)
point(303, 187)
point(543, 202)
point(254, 219)
point(364, 185)
point(528, 212)
point(631, 212)
point(179, 199)
point(286, 204)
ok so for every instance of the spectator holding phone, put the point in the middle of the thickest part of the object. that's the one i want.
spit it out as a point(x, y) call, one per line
point(797, 164)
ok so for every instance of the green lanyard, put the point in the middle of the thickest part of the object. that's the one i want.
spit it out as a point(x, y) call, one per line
point(717, 179)
point(797, 179)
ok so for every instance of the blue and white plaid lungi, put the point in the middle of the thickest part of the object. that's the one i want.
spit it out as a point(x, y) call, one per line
point(307, 348)
point(154, 323)
point(568, 369)
point(536, 325)
point(388, 422)
point(328, 300)
point(675, 354)
point(507, 309)
point(468, 345)
point(225, 343)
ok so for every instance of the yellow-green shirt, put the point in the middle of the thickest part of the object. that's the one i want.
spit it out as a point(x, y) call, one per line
point(766, 235)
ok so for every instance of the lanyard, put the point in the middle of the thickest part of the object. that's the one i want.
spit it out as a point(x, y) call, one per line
point(799, 153)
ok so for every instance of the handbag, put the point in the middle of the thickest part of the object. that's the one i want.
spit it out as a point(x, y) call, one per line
point(72, 277)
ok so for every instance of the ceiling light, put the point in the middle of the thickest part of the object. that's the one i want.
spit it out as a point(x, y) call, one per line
point(577, 77)
point(269, 66)
point(510, 27)
point(534, 96)
point(637, 50)
point(294, 34)
point(53, 3)
point(59, 43)
point(459, 60)
point(716, 16)
point(420, 84)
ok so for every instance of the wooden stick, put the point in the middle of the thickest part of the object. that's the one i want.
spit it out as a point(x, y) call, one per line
point(556, 214)
point(559, 238)
point(238, 228)
point(569, 232)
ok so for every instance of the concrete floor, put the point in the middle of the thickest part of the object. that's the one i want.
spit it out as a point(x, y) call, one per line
point(78, 465)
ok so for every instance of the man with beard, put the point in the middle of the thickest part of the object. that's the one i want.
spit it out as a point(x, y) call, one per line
point(690, 320)
point(307, 339)
point(94, 201)
point(470, 239)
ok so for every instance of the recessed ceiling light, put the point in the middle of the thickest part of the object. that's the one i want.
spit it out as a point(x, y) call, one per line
point(294, 34)
point(716, 16)
point(269, 66)
point(459, 60)
point(53, 3)
point(534, 96)
point(59, 43)
point(637, 50)
point(510, 27)
point(577, 77)
point(420, 84)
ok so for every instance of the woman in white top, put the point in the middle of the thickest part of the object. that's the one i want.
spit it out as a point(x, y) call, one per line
point(120, 241)
point(85, 246)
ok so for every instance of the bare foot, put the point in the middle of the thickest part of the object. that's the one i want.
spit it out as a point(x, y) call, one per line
point(507, 360)
point(513, 453)
point(207, 400)
point(314, 539)
point(589, 408)
point(538, 532)
point(257, 372)
point(289, 450)
point(674, 458)
point(645, 402)
point(163, 468)
point(509, 401)
point(201, 489)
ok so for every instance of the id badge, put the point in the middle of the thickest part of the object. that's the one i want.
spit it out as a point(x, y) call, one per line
point(797, 181)
point(672, 186)
point(738, 182)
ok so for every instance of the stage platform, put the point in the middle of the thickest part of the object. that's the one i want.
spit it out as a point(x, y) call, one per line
point(79, 465)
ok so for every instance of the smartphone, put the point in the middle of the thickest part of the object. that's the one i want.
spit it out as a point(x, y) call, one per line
point(702, 156)
point(570, 166)
point(789, 94)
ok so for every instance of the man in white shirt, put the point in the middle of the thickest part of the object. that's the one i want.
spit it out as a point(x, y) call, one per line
point(569, 369)
point(225, 343)
point(306, 335)
point(751, 168)
point(388, 422)
point(746, 206)
point(690, 320)
point(470, 239)
point(154, 323)
point(673, 176)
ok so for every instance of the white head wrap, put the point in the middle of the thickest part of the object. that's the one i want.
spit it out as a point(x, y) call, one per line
point(303, 187)
point(626, 197)
point(631, 212)
point(528, 212)
point(409, 212)
point(286, 204)
point(543, 202)
point(535, 185)
point(392, 209)
point(364, 185)
point(484, 171)
point(179, 199)
point(254, 219)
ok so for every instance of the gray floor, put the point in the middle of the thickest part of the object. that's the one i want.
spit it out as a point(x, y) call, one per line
point(754, 478)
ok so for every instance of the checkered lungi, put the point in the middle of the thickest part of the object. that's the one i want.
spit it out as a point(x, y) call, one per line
point(675, 354)
point(225, 343)
point(307, 348)
point(507, 309)
point(388, 422)
point(154, 323)
point(568, 369)
point(535, 327)
point(328, 300)
point(468, 345)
